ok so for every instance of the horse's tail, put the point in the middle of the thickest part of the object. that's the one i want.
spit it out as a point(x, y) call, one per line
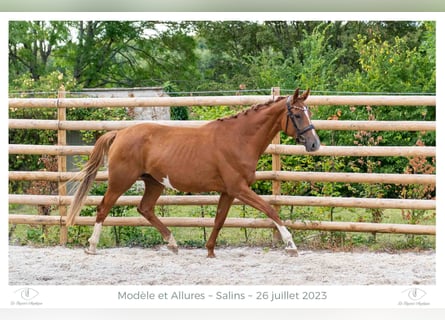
point(88, 174)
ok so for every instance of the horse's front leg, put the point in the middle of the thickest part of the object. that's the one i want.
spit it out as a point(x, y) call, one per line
point(252, 199)
point(225, 201)
point(286, 236)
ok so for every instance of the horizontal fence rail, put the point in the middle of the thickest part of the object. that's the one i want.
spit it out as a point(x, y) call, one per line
point(211, 100)
point(350, 151)
point(319, 124)
point(275, 149)
point(213, 200)
point(389, 178)
point(234, 223)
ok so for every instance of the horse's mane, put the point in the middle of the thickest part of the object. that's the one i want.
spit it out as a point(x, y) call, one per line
point(255, 107)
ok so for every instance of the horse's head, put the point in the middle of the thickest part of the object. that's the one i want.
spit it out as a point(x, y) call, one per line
point(297, 122)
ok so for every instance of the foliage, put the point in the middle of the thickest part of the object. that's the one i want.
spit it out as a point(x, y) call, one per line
point(176, 113)
point(215, 55)
point(419, 165)
point(31, 46)
point(102, 53)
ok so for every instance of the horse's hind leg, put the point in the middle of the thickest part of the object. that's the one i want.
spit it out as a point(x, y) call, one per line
point(103, 209)
point(153, 190)
point(116, 187)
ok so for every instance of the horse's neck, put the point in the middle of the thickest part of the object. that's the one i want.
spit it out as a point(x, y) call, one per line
point(257, 128)
point(270, 126)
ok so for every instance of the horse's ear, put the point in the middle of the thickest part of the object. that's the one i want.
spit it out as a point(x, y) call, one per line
point(295, 97)
point(305, 94)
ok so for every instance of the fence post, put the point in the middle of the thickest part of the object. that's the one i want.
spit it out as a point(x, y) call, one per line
point(276, 166)
point(61, 163)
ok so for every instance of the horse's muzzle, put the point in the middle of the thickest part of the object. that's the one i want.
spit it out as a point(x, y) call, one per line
point(311, 143)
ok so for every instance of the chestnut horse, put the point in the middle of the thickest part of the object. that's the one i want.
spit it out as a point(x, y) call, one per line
point(219, 156)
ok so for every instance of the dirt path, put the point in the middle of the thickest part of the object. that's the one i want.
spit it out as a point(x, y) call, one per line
point(233, 266)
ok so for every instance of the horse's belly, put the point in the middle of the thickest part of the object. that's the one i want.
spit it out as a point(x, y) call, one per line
point(191, 182)
point(187, 167)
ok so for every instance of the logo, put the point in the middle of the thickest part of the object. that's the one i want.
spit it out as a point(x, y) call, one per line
point(25, 296)
point(414, 297)
point(415, 294)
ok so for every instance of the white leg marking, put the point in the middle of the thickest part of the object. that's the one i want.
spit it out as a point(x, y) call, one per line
point(172, 241)
point(166, 182)
point(94, 239)
point(172, 245)
point(286, 236)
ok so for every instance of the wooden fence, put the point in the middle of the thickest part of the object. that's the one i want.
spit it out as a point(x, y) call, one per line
point(62, 200)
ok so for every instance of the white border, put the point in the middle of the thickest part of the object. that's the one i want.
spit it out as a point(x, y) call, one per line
point(338, 296)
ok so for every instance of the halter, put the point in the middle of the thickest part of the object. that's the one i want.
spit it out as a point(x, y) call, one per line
point(292, 117)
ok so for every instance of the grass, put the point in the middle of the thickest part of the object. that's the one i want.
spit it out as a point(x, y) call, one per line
point(196, 237)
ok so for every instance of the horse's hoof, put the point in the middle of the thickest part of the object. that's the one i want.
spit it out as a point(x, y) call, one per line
point(92, 252)
point(173, 249)
point(293, 252)
point(211, 255)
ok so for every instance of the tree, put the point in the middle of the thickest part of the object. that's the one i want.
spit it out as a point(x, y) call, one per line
point(103, 53)
point(31, 44)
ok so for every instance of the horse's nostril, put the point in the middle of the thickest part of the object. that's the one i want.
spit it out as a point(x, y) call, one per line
point(313, 146)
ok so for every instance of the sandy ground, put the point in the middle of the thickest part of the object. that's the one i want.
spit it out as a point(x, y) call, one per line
point(232, 266)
